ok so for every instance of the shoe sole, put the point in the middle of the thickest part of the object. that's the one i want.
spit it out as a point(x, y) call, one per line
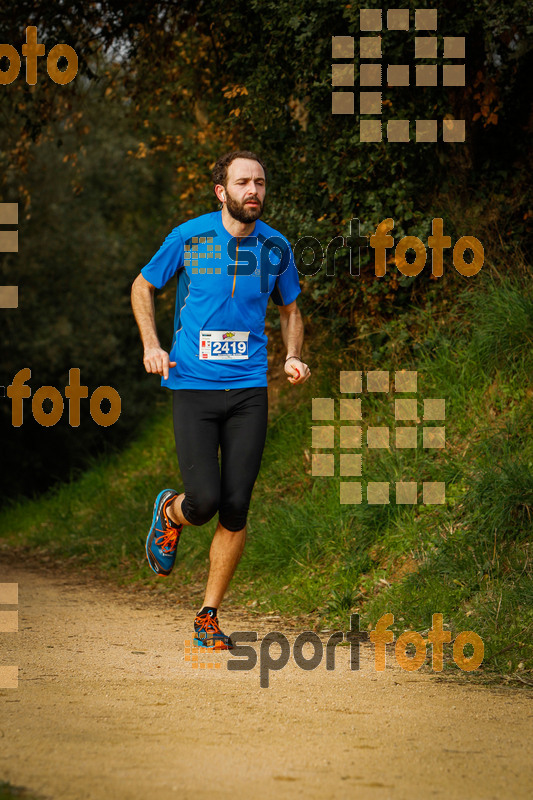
point(153, 564)
point(198, 643)
point(218, 646)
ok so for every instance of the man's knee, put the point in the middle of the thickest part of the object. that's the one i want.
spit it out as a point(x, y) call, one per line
point(200, 507)
point(233, 513)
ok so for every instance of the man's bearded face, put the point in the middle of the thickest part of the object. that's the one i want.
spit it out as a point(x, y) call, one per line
point(246, 211)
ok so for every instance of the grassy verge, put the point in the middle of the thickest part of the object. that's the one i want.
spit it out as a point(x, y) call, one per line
point(9, 792)
point(307, 554)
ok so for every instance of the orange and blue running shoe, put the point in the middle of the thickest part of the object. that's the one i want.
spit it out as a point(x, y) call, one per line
point(207, 633)
point(163, 536)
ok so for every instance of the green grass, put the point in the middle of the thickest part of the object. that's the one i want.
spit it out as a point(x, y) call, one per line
point(9, 792)
point(307, 555)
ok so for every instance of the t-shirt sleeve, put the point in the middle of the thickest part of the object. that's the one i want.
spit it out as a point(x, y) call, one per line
point(287, 286)
point(166, 262)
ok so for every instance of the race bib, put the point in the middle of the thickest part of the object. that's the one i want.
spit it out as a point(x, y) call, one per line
point(224, 345)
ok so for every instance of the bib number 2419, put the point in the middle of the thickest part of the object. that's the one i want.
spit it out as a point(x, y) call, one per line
point(223, 345)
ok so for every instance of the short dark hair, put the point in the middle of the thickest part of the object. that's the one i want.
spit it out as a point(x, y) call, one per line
point(219, 173)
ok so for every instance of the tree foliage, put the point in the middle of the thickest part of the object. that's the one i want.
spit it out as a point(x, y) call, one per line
point(103, 167)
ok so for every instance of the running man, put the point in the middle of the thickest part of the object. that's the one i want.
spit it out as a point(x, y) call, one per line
point(228, 263)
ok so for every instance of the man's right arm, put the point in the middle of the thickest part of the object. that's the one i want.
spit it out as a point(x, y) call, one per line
point(156, 360)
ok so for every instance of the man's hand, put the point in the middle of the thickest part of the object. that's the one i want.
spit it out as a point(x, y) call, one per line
point(297, 371)
point(157, 361)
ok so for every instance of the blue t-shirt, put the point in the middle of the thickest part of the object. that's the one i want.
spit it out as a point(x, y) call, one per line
point(222, 293)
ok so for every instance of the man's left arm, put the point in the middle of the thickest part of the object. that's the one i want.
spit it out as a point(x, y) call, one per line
point(292, 331)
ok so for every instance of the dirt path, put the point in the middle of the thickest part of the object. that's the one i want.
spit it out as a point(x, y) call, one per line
point(107, 707)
